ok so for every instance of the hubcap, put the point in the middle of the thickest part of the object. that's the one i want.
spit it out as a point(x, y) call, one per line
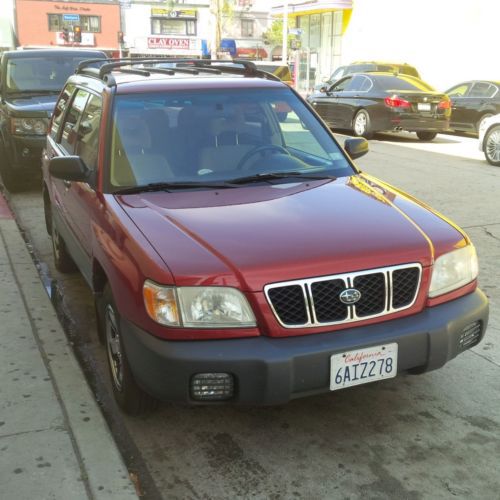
point(493, 146)
point(360, 124)
point(114, 347)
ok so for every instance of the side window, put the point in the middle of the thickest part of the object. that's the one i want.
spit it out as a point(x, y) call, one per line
point(359, 83)
point(482, 89)
point(69, 135)
point(458, 91)
point(341, 86)
point(87, 143)
point(61, 106)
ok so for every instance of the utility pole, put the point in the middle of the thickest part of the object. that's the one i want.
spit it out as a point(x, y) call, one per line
point(215, 9)
point(284, 51)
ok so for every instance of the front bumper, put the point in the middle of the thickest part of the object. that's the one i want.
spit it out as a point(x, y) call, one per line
point(274, 370)
point(24, 153)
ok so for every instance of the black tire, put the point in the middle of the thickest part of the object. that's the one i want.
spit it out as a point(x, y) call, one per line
point(128, 395)
point(478, 124)
point(9, 178)
point(491, 146)
point(426, 136)
point(62, 259)
point(361, 124)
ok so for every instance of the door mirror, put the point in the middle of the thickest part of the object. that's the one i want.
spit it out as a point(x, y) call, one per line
point(69, 168)
point(323, 89)
point(356, 148)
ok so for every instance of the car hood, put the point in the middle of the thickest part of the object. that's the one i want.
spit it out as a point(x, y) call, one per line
point(251, 236)
point(32, 105)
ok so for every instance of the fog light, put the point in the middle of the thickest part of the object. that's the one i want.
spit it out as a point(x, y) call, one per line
point(470, 335)
point(212, 386)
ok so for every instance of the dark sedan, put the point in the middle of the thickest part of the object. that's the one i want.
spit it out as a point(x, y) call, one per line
point(472, 102)
point(374, 102)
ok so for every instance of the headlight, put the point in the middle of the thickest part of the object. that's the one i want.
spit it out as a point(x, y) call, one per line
point(198, 307)
point(453, 270)
point(29, 126)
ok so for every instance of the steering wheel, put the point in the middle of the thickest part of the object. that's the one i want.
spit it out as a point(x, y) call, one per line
point(260, 150)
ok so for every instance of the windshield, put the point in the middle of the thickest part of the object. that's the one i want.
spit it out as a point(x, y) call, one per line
point(213, 136)
point(40, 74)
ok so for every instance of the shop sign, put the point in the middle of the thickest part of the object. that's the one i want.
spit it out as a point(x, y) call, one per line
point(174, 13)
point(71, 17)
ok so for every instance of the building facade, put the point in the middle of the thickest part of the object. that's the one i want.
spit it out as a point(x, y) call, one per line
point(185, 29)
point(77, 23)
point(319, 29)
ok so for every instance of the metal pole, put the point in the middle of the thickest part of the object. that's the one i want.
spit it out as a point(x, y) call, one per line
point(284, 51)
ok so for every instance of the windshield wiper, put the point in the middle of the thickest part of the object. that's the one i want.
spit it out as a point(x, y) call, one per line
point(279, 175)
point(167, 186)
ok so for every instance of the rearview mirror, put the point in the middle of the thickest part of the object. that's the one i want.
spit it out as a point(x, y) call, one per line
point(356, 148)
point(69, 168)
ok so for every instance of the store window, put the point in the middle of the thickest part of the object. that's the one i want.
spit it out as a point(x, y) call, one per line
point(247, 26)
point(89, 24)
point(161, 26)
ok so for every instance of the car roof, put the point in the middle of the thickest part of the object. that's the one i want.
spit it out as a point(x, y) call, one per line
point(19, 54)
point(132, 77)
point(380, 62)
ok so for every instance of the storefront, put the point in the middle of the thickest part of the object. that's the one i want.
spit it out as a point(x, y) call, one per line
point(154, 31)
point(45, 23)
point(319, 28)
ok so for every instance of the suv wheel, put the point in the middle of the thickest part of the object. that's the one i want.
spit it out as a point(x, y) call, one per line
point(362, 125)
point(129, 396)
point(492, 146)
point(62, 259)
point(426, 136)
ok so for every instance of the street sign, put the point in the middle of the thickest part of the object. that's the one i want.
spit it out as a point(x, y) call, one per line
point(71, 17)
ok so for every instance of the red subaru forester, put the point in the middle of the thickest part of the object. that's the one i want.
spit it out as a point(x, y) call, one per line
point(235, 257)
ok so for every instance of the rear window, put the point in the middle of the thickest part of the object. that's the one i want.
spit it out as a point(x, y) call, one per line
point(402, 83)
point(40, 73)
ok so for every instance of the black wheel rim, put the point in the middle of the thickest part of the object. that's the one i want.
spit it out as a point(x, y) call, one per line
point(114, 347)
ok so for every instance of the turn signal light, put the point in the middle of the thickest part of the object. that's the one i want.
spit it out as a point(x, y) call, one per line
point(396, 102)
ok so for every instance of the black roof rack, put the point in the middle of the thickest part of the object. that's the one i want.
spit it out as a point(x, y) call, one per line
point(190, 66)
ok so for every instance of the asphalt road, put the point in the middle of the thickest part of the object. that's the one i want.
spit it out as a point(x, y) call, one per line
point(431, 436)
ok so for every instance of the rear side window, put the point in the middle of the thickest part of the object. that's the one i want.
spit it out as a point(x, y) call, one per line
point(360, 83)
point(402, 82)
point(60, 108)
point(482, 89)
point(87, 143)
point(69, 132)
point(409, 70)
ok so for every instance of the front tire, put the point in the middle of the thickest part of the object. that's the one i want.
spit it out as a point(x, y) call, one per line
point(426, 136)
point(361, 124)
point(129, 396)
point(491, 146)
point(62, 259)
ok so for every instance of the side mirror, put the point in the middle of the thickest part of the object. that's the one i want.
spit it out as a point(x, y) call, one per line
point(356, 148)
point(69, 168)
point(323, 89)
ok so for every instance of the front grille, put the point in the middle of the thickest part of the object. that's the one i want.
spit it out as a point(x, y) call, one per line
point(316, 301)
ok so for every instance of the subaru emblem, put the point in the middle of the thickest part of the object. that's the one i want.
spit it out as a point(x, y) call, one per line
point(350, 296)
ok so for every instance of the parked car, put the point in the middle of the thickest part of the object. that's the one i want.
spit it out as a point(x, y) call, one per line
point(472, 102)
point(238, 259)
point(30, 81)
point(489, 139)
point(366, 67)
point(374, 102)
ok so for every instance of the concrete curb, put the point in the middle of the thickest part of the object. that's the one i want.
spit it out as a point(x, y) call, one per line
point(58, 424)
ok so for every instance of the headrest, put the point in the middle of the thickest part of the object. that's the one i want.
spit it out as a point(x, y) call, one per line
point(133, 131)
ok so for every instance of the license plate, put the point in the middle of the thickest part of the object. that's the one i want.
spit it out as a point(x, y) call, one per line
point(424, 106)
point(363, 366)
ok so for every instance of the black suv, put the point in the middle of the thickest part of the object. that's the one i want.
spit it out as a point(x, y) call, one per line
point(30, 81)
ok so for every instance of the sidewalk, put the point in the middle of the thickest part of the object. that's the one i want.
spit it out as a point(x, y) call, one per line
point(54, 442)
